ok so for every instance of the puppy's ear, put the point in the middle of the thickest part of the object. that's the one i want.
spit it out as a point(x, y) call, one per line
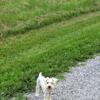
point(55, 80)
point(47, 78)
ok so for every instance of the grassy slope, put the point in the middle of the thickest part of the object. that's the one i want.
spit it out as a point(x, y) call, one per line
point(51, 49)
point(19, 16)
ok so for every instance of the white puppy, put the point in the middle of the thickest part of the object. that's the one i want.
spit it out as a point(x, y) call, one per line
point(46, 84)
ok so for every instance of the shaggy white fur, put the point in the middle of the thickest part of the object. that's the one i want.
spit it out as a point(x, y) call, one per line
point(47, 85)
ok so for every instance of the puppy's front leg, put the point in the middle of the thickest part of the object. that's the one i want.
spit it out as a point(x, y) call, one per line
point(49, 97)
point(45, 97)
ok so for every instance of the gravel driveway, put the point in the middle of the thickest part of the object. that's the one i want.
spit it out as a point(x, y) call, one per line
point(81, 83)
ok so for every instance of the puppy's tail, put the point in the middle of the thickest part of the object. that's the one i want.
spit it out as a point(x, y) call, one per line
point(40, 74)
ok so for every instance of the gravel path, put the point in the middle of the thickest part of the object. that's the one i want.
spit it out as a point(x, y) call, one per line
point(82, 83)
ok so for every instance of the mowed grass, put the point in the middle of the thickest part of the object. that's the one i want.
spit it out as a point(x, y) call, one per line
point(52, 50)
point(19, 16)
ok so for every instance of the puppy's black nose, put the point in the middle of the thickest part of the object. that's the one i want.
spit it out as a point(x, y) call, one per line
point(49, 87)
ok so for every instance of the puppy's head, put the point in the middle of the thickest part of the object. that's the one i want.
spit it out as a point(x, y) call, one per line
point(51, 83)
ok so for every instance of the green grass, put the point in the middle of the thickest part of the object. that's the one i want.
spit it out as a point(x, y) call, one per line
point(52, 49)
point(19, 16)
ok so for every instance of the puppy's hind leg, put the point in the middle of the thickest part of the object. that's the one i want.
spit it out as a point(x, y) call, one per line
point(37, 90)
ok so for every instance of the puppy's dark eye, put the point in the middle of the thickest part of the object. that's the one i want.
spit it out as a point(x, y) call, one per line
point(47, 82)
